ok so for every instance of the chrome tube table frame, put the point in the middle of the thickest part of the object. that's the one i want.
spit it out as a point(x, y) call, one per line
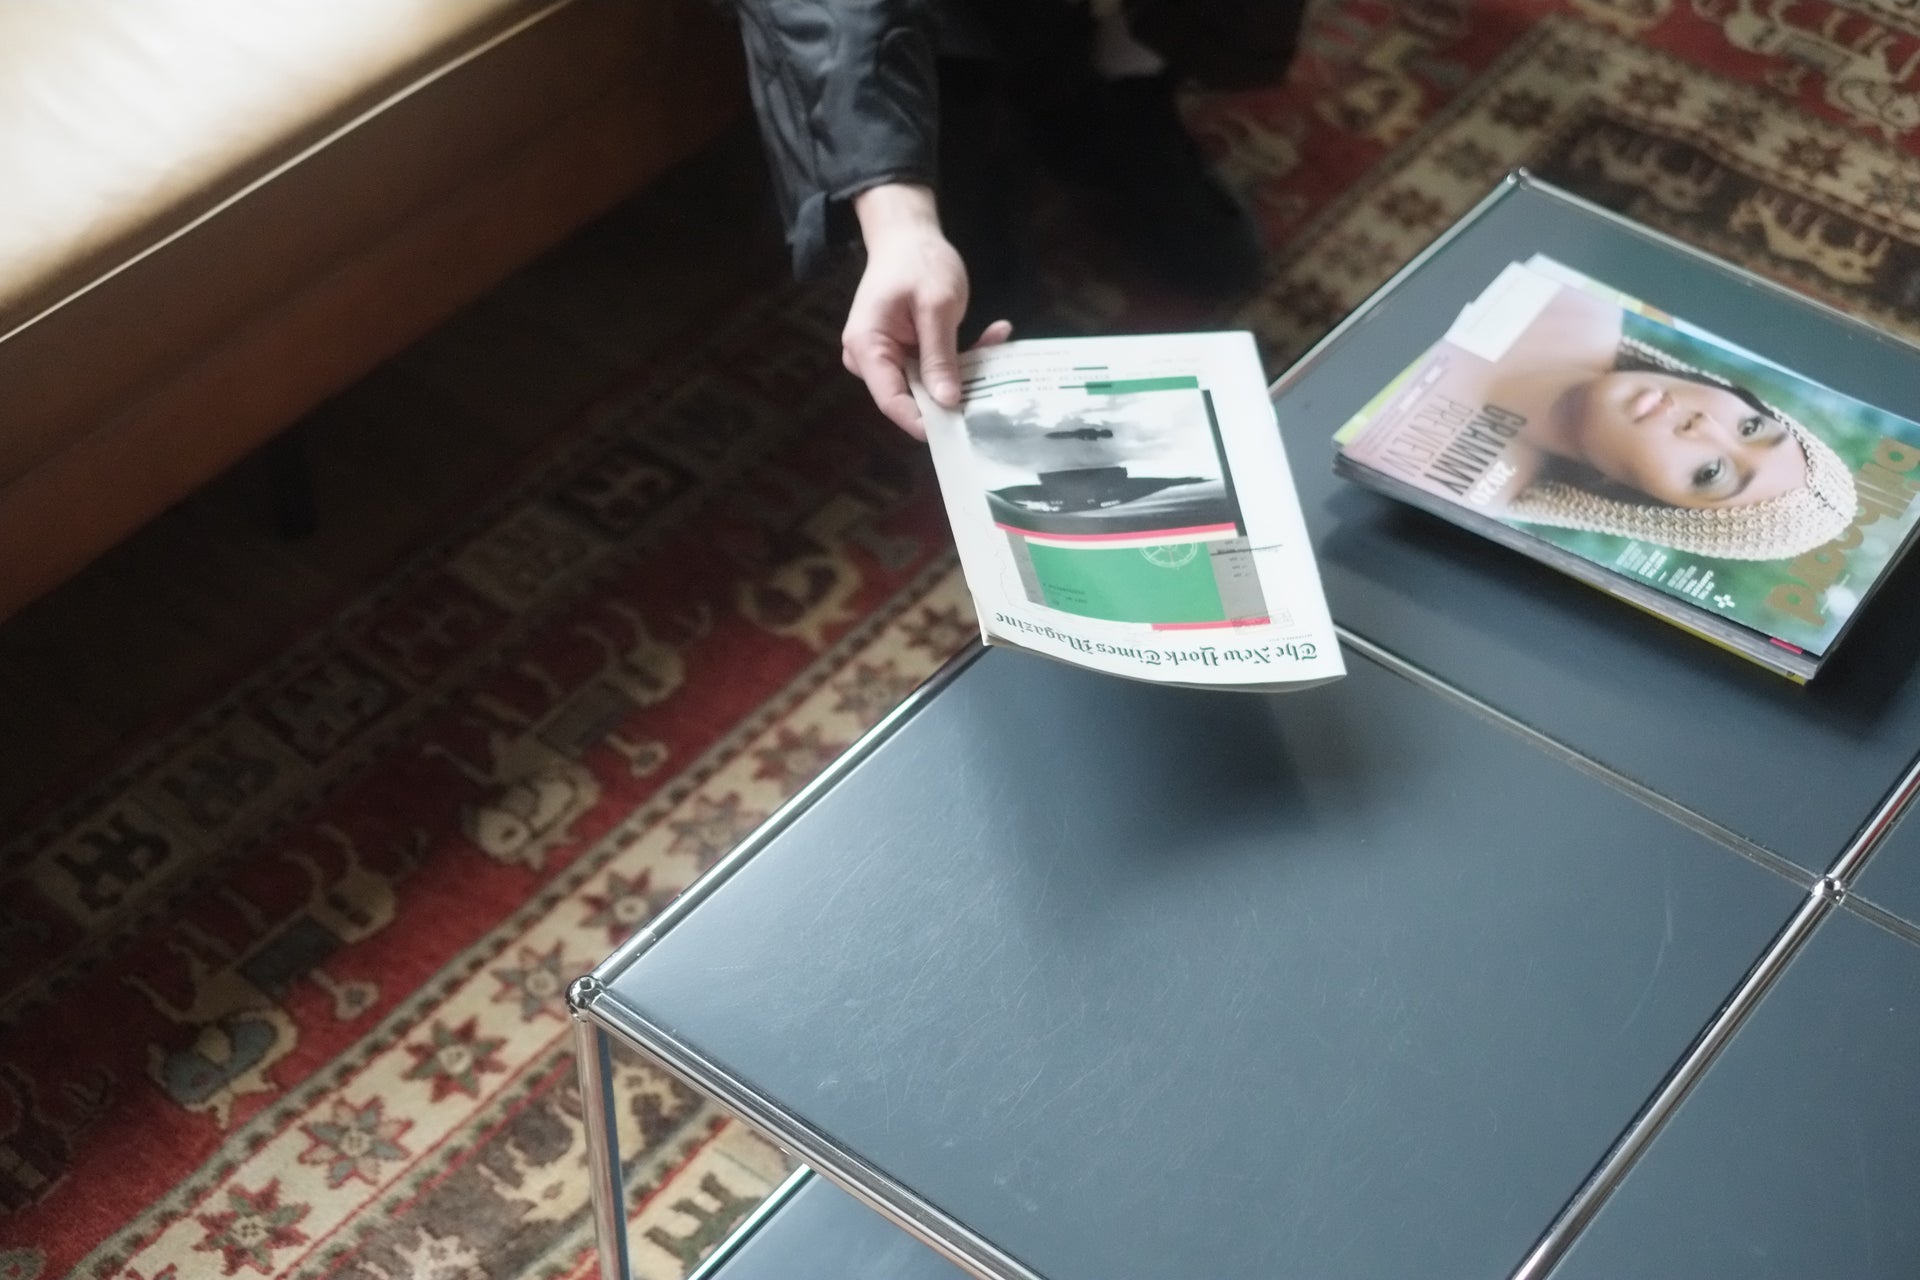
point(600, 1022)
point(1456, 634)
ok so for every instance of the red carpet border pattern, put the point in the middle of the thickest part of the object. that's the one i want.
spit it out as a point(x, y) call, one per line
point(1824, 197)
point(283, 992)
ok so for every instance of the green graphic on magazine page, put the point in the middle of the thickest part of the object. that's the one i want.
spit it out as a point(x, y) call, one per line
point(1120, 584)
point(1171, 556)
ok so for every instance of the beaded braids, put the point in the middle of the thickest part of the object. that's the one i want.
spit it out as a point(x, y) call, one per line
point(1774, 529)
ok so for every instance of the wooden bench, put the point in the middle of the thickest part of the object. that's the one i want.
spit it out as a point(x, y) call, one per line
point(220, 213)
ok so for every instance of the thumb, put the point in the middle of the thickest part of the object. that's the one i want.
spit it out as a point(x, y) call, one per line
point(937, 331)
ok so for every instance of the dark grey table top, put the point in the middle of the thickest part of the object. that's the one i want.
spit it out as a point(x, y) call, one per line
point(1374, 980)
point(1796, 1156)
point(1417, 974)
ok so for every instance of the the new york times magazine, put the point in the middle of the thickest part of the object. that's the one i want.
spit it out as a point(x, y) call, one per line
point(1124, 504)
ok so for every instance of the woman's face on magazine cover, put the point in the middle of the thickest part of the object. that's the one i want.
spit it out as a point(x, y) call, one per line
point(1685, 443)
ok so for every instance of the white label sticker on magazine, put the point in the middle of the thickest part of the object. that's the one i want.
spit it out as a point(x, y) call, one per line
point(1500, 315)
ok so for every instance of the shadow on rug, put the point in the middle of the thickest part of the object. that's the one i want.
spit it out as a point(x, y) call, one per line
point(283, 994)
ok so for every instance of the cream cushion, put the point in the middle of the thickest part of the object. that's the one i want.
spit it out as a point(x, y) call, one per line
point(117, 114)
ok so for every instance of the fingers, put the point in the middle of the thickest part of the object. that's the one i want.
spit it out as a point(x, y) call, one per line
point(876, 363)
point(909, 303)
point(887, 383)
point(993, 335)
point(881, 366)
point(937, 328)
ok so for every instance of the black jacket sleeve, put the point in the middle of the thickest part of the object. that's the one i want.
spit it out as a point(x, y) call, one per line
point(846, 98)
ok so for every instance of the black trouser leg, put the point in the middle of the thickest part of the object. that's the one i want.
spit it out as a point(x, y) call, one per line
point(1123, 140)
point(986, 193)
point(1046, 47)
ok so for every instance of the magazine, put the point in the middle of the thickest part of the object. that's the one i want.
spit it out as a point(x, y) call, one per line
point(1124, 504)
point(1704, 482)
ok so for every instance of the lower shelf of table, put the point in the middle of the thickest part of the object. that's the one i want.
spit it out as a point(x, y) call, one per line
point(809, 1229)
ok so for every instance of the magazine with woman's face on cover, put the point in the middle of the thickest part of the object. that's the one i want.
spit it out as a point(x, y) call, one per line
point(1653, 450)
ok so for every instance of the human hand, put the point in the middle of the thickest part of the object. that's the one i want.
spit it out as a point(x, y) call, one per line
point(908, 304)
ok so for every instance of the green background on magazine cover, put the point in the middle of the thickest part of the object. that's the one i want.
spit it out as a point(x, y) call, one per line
point(1850, 427)
point(1120, 584)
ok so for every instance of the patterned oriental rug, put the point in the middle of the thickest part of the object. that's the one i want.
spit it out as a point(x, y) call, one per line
point(322, 928)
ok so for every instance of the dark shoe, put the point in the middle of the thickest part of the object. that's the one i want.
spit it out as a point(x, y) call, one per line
point(1124, 139)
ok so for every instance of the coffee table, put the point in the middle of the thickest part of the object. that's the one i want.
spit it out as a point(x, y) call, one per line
point(1550, 941)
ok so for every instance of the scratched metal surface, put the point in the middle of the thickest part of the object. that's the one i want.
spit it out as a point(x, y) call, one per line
point(1794, 769)
point(1796, 1155)
point(1140, 982)
point(822, 1233)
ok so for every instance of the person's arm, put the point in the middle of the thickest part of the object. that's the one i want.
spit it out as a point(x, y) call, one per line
point(845, 96)
point(909, 303)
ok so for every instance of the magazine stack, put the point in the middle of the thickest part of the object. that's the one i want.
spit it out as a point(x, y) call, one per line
point(1703, 482)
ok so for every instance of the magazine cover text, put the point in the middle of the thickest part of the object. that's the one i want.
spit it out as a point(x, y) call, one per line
point(1125, 504)
point(1653, 450)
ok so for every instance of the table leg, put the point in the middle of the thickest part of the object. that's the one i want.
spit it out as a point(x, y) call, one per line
point(593, 1054)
